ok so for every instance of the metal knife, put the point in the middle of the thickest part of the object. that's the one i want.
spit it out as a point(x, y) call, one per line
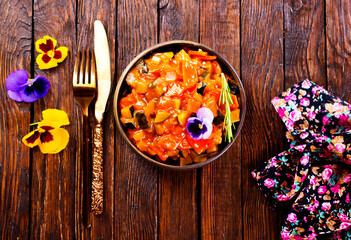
point(103, 68)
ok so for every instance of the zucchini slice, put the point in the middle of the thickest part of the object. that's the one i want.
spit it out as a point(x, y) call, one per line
point(161, 116)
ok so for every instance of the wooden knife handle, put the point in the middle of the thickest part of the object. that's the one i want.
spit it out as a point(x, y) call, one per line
point(86, 171)
point(97, 181)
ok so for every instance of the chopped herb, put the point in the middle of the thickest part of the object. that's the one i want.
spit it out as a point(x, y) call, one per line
point(226, 99)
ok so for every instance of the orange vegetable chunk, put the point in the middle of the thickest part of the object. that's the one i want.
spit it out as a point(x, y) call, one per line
point(189, 74)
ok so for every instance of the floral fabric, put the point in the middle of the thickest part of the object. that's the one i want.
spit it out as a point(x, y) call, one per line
point(315, 173)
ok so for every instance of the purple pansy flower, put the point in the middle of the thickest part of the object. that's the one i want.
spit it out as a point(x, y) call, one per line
point(21, 88)
point(200, 126)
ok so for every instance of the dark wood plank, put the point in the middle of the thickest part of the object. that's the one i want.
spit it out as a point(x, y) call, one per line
point(178, 200)
point(81, 232)
point(53, 181)
point(179, 20)
point(221, 212)
point(15, 53)
point(178, 205)
point(135, 180)
point(304, 42)
point(263, 132)
point(338, 14)
point(88, 12)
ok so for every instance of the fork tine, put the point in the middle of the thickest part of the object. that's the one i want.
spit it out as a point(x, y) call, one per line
point(93, 71)
point(75, 71)
point(81, 70)
point(87, 62)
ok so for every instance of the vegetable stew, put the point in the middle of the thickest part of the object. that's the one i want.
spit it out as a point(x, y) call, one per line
point(166, 90)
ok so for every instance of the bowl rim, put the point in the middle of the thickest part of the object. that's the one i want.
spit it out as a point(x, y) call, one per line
point(168, 44)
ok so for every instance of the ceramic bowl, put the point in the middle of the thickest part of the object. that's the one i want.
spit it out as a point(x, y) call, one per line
point(176, 46)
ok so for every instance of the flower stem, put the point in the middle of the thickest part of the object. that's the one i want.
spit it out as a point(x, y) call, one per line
point(34, 124)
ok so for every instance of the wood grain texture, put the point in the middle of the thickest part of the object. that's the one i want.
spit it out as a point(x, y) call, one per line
point(304, 42)
point(53, 175)
point(338, 18)
point(221, 199)
point(263, 132)
point(15, 53)
point(135, 193)
point(178, 191)
point(179, 20)
point(102, 225)
point(271, 44)
point(178, 205)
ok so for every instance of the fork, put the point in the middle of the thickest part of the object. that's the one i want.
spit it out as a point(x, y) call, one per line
point(84, 88)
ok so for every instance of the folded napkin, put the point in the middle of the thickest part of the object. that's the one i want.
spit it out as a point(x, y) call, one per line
point(314, 175)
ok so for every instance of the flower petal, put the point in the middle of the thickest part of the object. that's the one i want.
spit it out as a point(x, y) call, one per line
point(16, 96)
point(16, 79)
point(203, 113)
point(32, 90)
point(31, 139)
point(206, 128)
point(41, 86)
point(46, 58)
point(193, 128)
point(53, 141)
point(54, 118)
point(43, 64)
point(45, 44)
point(60, 54)
point(46, 137)
point(28, 94)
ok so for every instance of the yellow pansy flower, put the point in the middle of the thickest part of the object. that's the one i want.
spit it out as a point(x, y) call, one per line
point(49, 56)
point(49, 135)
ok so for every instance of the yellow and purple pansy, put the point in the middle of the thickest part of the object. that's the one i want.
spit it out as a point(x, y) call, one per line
point(21, 88)
point(49, 57)
point(49, 135)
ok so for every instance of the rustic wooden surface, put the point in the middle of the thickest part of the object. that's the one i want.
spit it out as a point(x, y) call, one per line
point(271, 44)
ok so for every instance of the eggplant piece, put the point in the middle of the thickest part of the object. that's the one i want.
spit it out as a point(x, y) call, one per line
point(141, 119)
point(219, 119)
point(234, 89)
point(204, 74)
point(130, 124)
point(161, 116)
point(201, 89)
point(141, 66)
point(127, 112)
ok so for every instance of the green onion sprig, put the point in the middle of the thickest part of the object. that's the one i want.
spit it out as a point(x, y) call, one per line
point(226, 98)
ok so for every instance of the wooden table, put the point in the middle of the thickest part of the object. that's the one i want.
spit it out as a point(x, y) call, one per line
point(271, 44)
